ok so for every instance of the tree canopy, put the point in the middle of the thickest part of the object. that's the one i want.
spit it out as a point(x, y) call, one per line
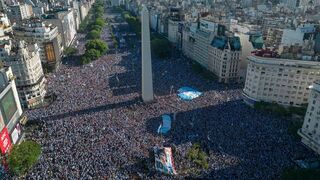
point(100, 22)
point(92, 54)
point(69, 51)
point(23, 156)
point(161, 47)
point(94, 34)
point(97, 44)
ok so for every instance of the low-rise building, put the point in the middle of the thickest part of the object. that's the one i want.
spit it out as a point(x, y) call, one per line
point(283, 81)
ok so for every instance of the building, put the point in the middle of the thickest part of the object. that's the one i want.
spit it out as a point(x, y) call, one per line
point(274, 37)
point(24, 59)
point(173, 27)
point(46, 36)
point(10, 111)
point(292, 4)
point(202, 39)
point(19, 12)
point(65, 21)
point(310, 131)
point(283, 81)
point(224, 58)
point(5, 25)
point(188, 43)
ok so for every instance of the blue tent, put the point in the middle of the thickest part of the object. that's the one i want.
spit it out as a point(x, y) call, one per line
point(165, 126)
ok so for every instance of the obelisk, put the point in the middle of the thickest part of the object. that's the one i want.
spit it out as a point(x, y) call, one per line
point(147, 84)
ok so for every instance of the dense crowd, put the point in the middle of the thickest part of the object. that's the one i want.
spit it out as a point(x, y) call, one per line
point(98, 128)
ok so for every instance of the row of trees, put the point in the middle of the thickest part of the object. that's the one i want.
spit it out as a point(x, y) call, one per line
point(133, 22)
point(160, 45)
point(95, 47)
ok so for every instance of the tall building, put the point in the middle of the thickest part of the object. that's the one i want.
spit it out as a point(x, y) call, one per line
point(188, 41)
point(224, 58)
point(283, 81)
point(65, 21)
point(203, 39)
point(310, 131)
point(173, 27)
point(46, 36)
point(24, 59)
point(10, 111)
point(19, 12)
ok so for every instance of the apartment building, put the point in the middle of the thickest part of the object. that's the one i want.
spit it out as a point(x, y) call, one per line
point(19, 12)
point(24, 59)
point(283, 81)
point(188, 42)
point(310, 131)
point(64, 20)
point(173, 27)
point(5, 25)
point(10, 111)
point(203, 39)
point(46, 36)
point(224, 58)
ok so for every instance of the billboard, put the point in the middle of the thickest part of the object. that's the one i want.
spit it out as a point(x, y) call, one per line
point(16, 133)
point(49, 52)
point(5, 143)
point(8, 106)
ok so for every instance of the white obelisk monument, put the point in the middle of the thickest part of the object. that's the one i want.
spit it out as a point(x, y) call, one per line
point(147, 84)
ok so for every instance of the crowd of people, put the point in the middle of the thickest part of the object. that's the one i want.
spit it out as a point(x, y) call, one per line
point(98, 128)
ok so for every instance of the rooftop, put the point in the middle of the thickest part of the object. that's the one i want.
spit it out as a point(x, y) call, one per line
point(224, 42)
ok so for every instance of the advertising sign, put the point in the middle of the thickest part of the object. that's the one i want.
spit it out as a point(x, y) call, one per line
point(16, 133)
point(5, 143)
point(49, 52)
point(8, 106)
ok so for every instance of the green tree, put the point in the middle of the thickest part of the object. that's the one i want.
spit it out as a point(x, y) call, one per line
point(198, 156)
point(69, 51)
point(96, 27)
point(92, 54)
point(93, 34)
point(23, 156)
point(100, 22)
point(84, 60)
point(97, 44)
point(161, 47)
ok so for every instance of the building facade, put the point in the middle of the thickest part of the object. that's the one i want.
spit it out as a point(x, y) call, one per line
point(173, 27)
point(19, 12)
point(202, 41)
point(25, 62)
point(224, 58)
point(310, 131)
point(283, 81)
point(46, 36)
point(10, 111)
point(65, 22)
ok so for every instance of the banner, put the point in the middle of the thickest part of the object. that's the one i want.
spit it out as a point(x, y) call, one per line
point(5, 142)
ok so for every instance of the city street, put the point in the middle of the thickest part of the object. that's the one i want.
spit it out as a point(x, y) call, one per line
point(98, 128)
